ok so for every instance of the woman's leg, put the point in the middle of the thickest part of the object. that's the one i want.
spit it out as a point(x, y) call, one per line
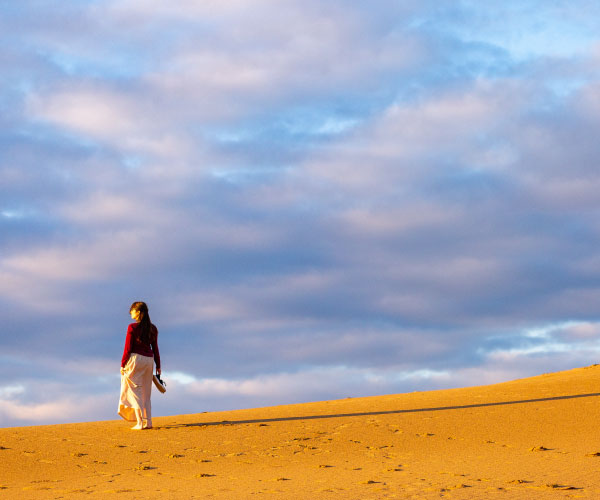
point(148, 424)
point(132, 406)
point(146, 393)
point(140, 421)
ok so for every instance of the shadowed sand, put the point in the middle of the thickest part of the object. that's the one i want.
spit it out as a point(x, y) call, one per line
point(532, 438)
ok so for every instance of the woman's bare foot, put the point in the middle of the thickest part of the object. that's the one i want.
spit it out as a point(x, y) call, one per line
point(137, 427)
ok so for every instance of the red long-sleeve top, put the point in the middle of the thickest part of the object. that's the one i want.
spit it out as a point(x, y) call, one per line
point(133, 344)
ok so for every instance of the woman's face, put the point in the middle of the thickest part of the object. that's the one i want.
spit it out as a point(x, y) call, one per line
point(135, 315)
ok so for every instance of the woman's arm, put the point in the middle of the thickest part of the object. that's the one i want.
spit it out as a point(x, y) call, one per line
point(155, 350)
point(128, 347)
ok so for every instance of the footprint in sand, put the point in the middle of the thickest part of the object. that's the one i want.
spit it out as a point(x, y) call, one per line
point(175, 455)
point(562, 487)
point(519, 481)
point(325, 466)
point(145, 467)
point(455, 487)
point(597, 454)
point(540, 448)
point(4, 448)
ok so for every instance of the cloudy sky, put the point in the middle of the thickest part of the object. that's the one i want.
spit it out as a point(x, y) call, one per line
point(317, 199)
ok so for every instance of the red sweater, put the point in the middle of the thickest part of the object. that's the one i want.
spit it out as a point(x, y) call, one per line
point(133, 344)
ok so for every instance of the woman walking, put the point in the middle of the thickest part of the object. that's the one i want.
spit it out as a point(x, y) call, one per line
point(139, 356)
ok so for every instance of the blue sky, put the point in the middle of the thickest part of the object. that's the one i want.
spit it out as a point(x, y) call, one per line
point(316, 199)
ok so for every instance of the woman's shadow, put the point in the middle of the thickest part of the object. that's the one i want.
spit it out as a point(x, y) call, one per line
point(386, 412)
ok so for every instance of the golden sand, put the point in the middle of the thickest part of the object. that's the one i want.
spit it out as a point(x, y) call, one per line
point(533, 438)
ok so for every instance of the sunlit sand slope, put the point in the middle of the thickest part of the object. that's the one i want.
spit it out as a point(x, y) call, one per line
point(534, 438)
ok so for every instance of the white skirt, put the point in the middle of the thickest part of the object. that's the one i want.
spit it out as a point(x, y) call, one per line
point(136, 386)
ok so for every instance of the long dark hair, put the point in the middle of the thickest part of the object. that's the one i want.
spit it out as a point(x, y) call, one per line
point(145, 328)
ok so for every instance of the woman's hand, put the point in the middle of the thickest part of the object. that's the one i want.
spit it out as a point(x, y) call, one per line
point(158, 372)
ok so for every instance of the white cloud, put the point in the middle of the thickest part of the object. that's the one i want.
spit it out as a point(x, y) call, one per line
point(577, 341)
point(127, 122)
point(12, 214)
point(78, 408)
point(369, 190)
point(306, 384)
point(11, 390)
point(99, 112)
point(580, 330)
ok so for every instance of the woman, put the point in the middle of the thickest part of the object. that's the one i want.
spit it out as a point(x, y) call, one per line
point(140, 353)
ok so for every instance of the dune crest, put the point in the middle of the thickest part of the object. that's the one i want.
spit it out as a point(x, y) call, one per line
point(529, 438)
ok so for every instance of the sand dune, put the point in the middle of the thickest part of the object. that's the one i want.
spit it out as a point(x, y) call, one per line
point(533, 438)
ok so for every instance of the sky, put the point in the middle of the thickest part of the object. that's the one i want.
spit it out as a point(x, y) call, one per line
point(317, 200)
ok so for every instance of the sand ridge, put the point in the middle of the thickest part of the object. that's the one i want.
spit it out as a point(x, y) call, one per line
point(530, 438)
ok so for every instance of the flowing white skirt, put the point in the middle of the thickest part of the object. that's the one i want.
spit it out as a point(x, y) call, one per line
point(136, 386)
